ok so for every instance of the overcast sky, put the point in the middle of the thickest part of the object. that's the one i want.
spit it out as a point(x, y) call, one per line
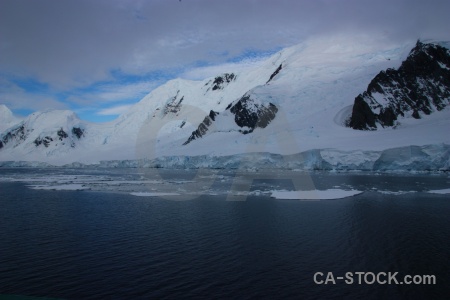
point(98, 57)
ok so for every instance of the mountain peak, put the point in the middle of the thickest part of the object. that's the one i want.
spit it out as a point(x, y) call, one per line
point(4, 110)
point(7, 118)
point(420, 85)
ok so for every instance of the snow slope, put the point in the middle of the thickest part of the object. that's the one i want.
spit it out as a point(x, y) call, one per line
point(7, 119)
point(313, 86)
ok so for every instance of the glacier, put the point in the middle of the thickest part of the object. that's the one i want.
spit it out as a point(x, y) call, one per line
point(428, 158)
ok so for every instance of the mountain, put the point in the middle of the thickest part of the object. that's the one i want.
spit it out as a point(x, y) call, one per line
point(54, 130)
point(297, 101)
point(420, 86)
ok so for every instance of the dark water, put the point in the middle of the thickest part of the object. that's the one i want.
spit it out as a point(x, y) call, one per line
point(103, 245)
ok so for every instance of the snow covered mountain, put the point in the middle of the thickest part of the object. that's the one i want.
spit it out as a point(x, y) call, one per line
point(297, 101)
point(420, 86)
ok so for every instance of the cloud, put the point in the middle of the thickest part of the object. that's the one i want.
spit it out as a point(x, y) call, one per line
point(102, 94)
point(112, 93)
point(17, 98)
point(115, 110)
point(75, 45)
point(200, 73)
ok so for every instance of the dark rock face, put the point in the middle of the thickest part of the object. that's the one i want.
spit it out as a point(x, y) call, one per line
point(78, 132)
point(362, 115)
point(275, 73)
point(220, 82)
point(421, 85)
point(247, 113)
point(62, 134)
point(45, 141)
point(213, 114)
point(18, 134)
point(202, 128)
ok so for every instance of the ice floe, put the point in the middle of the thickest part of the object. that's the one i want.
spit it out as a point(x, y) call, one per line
point(153, 194)
point(444, 191)
point(396, 192)
point(62, 187)
point(314, 194)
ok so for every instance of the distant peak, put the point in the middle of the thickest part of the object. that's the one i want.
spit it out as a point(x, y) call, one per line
point(426, 46)
point(4, 107)
point(5, 112)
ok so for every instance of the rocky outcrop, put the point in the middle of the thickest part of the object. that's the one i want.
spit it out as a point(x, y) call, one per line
point(275, 73)
point(15, 135)
point(246, 112)
point(202, 128)
point(46, 140)
point(418, 87)
point(252, 114)
point(62, 136)
point(220, 82)
point(78, 132)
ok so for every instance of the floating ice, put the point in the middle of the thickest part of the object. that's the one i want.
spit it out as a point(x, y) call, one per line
point(62, 187)
point(396, 192)
point(444, 191)
point(153, 194)
point(314, 194)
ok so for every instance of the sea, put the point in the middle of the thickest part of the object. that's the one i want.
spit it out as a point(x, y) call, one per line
point(222, 234)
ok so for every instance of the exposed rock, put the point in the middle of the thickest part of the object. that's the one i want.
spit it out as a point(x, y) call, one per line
point(213, 114)
point(78, 132)
point(17, 134)
point(202, 128)
point(275, 73)
point(220, 82)
point(45, 141)
point(362, 116)
point(420, 85)
point(62, 134)
point(248, 113)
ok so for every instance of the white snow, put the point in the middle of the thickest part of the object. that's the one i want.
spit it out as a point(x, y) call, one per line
point(7, 119)
point(443, 66)
point(380, 99)
point(314, 92)
point(314, 194)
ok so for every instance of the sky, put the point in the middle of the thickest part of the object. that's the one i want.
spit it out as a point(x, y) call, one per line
point(99, 57)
